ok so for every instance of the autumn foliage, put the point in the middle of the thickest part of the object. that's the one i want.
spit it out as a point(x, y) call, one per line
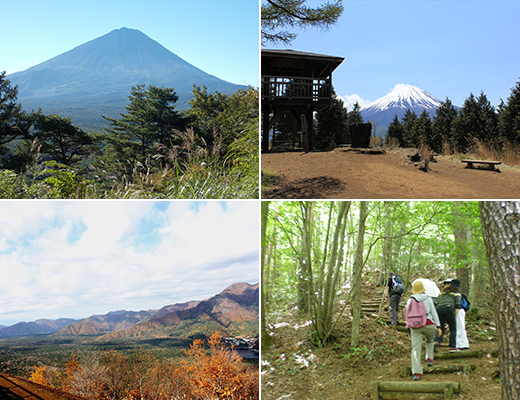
point(211, 371)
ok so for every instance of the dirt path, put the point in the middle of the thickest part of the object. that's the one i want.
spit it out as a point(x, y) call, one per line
point(346, 174)
point(339, 372)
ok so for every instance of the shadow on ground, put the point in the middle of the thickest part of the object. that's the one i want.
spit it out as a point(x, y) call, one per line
point(311, 188)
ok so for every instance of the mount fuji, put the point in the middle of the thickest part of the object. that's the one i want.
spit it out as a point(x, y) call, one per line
point(401, 98)
point(96, 77)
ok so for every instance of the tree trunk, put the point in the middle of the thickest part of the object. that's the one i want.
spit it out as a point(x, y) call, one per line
point(459, 231)
point(356, 275)
point(266, 339)
point(386, 249)
point(501, 232)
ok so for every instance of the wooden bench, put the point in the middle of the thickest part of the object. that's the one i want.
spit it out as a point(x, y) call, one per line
point(490, 164)
point(379, 389)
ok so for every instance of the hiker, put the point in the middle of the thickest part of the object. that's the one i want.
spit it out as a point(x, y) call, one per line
point(427, 328)
point(430, 288)
point(448, 307)
point(394, 290)
point(462, 337)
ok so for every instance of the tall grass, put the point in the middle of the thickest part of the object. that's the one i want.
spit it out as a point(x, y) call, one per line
point(188, 171)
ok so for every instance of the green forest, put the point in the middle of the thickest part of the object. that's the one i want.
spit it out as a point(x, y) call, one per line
point(209, 150)
point(323, 263)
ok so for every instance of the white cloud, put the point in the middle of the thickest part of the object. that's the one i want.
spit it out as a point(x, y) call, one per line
point(351, 99)
point(124, 254)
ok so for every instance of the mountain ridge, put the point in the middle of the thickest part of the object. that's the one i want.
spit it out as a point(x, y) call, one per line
point(98, 76)
point(241, 303)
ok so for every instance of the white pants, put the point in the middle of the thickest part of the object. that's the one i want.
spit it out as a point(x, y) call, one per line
point(462, 338)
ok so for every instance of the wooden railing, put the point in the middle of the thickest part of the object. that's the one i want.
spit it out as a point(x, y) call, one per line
point(295, 88)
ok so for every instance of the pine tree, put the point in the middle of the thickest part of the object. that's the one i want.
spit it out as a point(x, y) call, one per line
point(509, 118)
point(150, 120)
point(14, 122)
point(279, 14)
point(409, 132)
point(423, 129)
point(395, 132)
point(442, 125)
point(332, 124)
point(63, 141)
point(476, 120)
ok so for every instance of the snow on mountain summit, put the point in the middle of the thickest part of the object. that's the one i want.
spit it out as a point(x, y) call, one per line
point(404, 96)
point(401, 98)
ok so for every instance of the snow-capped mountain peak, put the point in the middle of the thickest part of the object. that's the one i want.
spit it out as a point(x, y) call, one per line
point(405, 96)
point(401, 98)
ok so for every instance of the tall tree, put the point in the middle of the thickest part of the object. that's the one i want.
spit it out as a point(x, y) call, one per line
point(509, 123)
point(477, 120)
point(501, 231)
point(277, 15)
point(332, 125)
point(151, 119)
point(266, 339)
point(442, 125)
point(423, 129)
point(63, 141)
point(14, 122)
point(461, 253)
point(395, 132)
point(357, 275)
point(409, 129)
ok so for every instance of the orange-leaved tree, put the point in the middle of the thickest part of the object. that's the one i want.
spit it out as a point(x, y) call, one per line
point(218, 372)
point(39, 375)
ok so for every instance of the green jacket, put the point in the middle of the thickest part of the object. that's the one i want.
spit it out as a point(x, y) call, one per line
point(449, 298)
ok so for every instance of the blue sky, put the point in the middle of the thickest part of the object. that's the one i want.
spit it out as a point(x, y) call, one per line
point(448, 48)
point(79, 258)
point(219, 37)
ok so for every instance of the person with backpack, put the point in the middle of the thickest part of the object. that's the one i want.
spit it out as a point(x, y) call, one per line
point(448, 307)
point(460, 319)
point(462, 337)
point(423, 321)
point(394, 290)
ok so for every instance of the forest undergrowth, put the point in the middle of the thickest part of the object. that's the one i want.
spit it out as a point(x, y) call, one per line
point(296, 369)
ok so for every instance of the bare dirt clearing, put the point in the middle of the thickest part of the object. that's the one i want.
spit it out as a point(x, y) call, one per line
point(347, 174)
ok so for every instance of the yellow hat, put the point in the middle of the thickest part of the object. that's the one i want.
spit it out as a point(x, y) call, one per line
point(417, 287)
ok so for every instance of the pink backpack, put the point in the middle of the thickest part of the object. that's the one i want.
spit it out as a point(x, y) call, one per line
point(415, 314)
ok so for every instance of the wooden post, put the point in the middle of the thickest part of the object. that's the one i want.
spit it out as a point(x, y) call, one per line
point(374, 390)
point(305, 131)
point(417, 387)
point(407, 371)
point(461, 354)
point(265, 130)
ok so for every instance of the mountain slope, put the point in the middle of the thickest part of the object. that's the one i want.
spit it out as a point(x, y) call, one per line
point(401, 98)
point(38, 327)
point(98, 76)
point(234, 311)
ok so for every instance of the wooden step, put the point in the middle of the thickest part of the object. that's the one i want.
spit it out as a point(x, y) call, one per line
point(382, 389)
point(466, 369)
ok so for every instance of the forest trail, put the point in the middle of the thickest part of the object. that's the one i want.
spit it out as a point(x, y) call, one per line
point(341, 174)
point(296, 370)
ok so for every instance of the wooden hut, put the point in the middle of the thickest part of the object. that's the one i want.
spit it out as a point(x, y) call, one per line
point(295, 82)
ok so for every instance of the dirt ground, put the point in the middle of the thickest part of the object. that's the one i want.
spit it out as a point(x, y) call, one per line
point(347, 174)
point(339, 372)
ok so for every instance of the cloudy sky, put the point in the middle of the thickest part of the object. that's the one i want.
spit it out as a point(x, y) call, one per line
point(448, 48)
point(79, 258)
point(218, 37)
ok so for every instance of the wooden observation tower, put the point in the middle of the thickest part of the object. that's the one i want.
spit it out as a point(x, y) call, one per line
point(298, 83)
